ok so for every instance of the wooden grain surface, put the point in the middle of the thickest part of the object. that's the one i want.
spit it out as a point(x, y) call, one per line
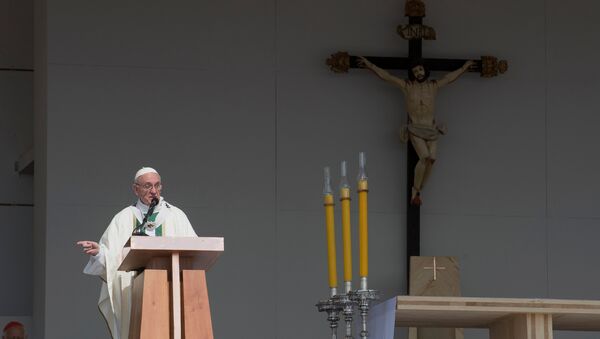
point(582, 315)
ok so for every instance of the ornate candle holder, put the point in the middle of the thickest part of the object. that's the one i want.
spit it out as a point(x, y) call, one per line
point(333, 310)
point(363, 298)
point(347, 303)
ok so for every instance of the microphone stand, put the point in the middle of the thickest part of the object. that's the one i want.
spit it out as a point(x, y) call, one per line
point(139, 230)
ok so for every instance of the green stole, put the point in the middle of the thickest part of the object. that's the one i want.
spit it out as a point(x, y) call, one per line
point(158, 231)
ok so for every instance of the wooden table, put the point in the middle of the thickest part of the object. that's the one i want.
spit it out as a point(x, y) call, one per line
point(505, 318)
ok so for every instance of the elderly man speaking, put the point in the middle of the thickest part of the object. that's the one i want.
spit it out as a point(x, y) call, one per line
point(164, 219)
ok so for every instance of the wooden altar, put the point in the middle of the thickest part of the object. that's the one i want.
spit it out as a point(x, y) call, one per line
point(506, 318)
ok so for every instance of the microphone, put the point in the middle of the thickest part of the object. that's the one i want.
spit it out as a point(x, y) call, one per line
point(139, 230)
point(153, 203)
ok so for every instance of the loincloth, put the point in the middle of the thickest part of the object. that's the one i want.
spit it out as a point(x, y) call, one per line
point(425, 132)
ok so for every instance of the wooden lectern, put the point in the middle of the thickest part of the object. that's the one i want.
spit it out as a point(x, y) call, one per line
point(170, 296)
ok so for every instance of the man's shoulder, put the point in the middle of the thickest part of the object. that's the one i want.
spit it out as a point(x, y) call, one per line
point(173, 208)
point(125, 212)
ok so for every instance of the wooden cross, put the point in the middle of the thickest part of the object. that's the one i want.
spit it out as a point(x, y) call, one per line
point(434, 268)
point(415, 32)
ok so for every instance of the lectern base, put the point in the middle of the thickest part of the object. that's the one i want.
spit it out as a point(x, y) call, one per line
point(196, 308)
point(150, 316)
point(151, 309)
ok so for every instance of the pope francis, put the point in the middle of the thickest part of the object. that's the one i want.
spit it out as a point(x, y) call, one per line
point(105, 255)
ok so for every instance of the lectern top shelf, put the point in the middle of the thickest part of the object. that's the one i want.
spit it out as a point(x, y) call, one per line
point(577, 315)
point(139, 250)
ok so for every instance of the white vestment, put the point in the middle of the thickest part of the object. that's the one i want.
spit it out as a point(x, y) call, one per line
point(115, 294)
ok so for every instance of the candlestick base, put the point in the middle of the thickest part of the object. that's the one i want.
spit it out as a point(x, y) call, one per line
point(347, 303)
point(333, 310)
point(363, 299)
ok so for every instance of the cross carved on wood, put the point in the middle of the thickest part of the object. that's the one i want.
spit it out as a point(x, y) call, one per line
point(414, 32)
point(435, 268)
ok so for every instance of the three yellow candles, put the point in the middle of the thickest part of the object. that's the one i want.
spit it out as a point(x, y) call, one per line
point(346, 225)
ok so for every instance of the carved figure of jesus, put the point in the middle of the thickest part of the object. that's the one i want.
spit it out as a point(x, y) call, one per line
point(422, 130)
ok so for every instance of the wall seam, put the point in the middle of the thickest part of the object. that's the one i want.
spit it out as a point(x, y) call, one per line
point(546, 148)
point(276, 122)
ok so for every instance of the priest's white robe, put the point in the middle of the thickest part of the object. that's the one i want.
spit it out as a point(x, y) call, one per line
point(115, 295)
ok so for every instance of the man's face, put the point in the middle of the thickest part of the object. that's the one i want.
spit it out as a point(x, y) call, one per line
point(17, 332)
point(419, 73)
point(147, 187)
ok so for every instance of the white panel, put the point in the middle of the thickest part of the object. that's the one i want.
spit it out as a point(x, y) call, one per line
point(16, 261)
point(16, 135)
point(301, 273)
point(16, 34)
point(212, 139)
point(243, 282)
point(572, 256)
point(178, 34)
point(573, 253)
point(573, 108)
point(309, 31)
point(497, 256)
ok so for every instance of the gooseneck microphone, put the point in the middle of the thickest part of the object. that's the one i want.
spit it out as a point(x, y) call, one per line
point(140, 229)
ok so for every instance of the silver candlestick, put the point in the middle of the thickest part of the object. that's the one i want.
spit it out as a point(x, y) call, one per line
point(333, 310)
point(363, 298)
point(347, 303)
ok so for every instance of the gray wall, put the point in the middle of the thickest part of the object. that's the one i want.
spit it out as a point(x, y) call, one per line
point(16, 138)
point(232, 102)
point(40, 124)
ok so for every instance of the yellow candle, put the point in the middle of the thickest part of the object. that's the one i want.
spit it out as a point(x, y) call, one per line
point(363, 240)
point(330, 224)
point(346, 234)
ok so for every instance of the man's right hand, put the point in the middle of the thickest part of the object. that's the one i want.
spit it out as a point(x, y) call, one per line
point(89, 247)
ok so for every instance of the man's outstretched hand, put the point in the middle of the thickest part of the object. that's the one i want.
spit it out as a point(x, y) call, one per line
point(89, 247)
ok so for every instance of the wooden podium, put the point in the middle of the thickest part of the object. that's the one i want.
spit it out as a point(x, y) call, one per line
point(170, 296)
point(505, 318)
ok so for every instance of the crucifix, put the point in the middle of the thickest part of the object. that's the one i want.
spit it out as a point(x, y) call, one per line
point(420, 136)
